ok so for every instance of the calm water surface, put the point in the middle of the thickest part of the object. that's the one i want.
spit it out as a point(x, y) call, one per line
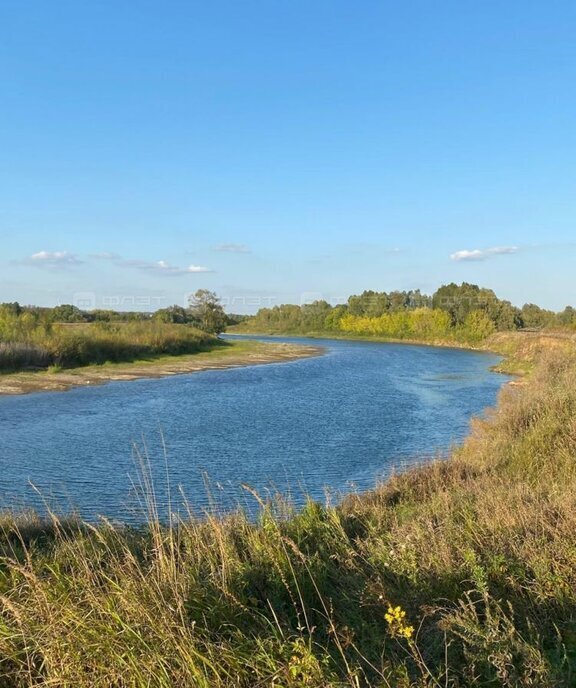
point(338, 421)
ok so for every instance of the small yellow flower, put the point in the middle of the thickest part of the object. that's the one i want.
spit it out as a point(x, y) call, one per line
point(406, 632)
point(397, 627)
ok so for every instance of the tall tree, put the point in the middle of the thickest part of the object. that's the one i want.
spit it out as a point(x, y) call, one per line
point(206, 311)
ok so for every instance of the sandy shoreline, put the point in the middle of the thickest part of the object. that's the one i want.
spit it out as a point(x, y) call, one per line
point(239, 354)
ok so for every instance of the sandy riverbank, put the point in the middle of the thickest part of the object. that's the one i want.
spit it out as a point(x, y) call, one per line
point(241, 353)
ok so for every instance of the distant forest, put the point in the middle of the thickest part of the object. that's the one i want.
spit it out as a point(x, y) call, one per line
point(464, 312)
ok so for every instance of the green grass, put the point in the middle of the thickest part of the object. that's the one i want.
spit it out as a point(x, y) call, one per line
point(479, 551)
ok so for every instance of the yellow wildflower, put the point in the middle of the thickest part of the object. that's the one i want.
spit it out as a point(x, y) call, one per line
point(397, 626)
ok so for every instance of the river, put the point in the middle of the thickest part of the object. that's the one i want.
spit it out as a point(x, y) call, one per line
point(324, 425)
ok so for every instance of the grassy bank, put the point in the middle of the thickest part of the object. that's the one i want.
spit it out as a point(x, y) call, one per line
point(222, 355)
point(28, 343)
point(459, 573)
point(522, 351)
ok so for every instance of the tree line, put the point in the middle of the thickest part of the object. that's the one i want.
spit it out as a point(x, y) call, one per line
point(203, 311)
point(464, 312)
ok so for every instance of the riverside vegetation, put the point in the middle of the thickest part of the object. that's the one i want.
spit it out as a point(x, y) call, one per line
point(65, 336)
point(458, 573)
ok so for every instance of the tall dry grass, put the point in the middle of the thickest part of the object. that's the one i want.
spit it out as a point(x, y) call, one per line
point(35, 345)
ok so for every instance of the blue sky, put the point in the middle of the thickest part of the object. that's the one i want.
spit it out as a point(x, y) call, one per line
point(282, 150)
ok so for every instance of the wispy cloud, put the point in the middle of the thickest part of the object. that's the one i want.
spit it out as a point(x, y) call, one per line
point(483, 254)
point(161, 267)
point(54, 260)
point(232, 248)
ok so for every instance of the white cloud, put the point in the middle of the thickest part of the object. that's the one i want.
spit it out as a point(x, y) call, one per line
point(483, 254)
point(53, 259)
point(197, 268)
point(232, 248)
